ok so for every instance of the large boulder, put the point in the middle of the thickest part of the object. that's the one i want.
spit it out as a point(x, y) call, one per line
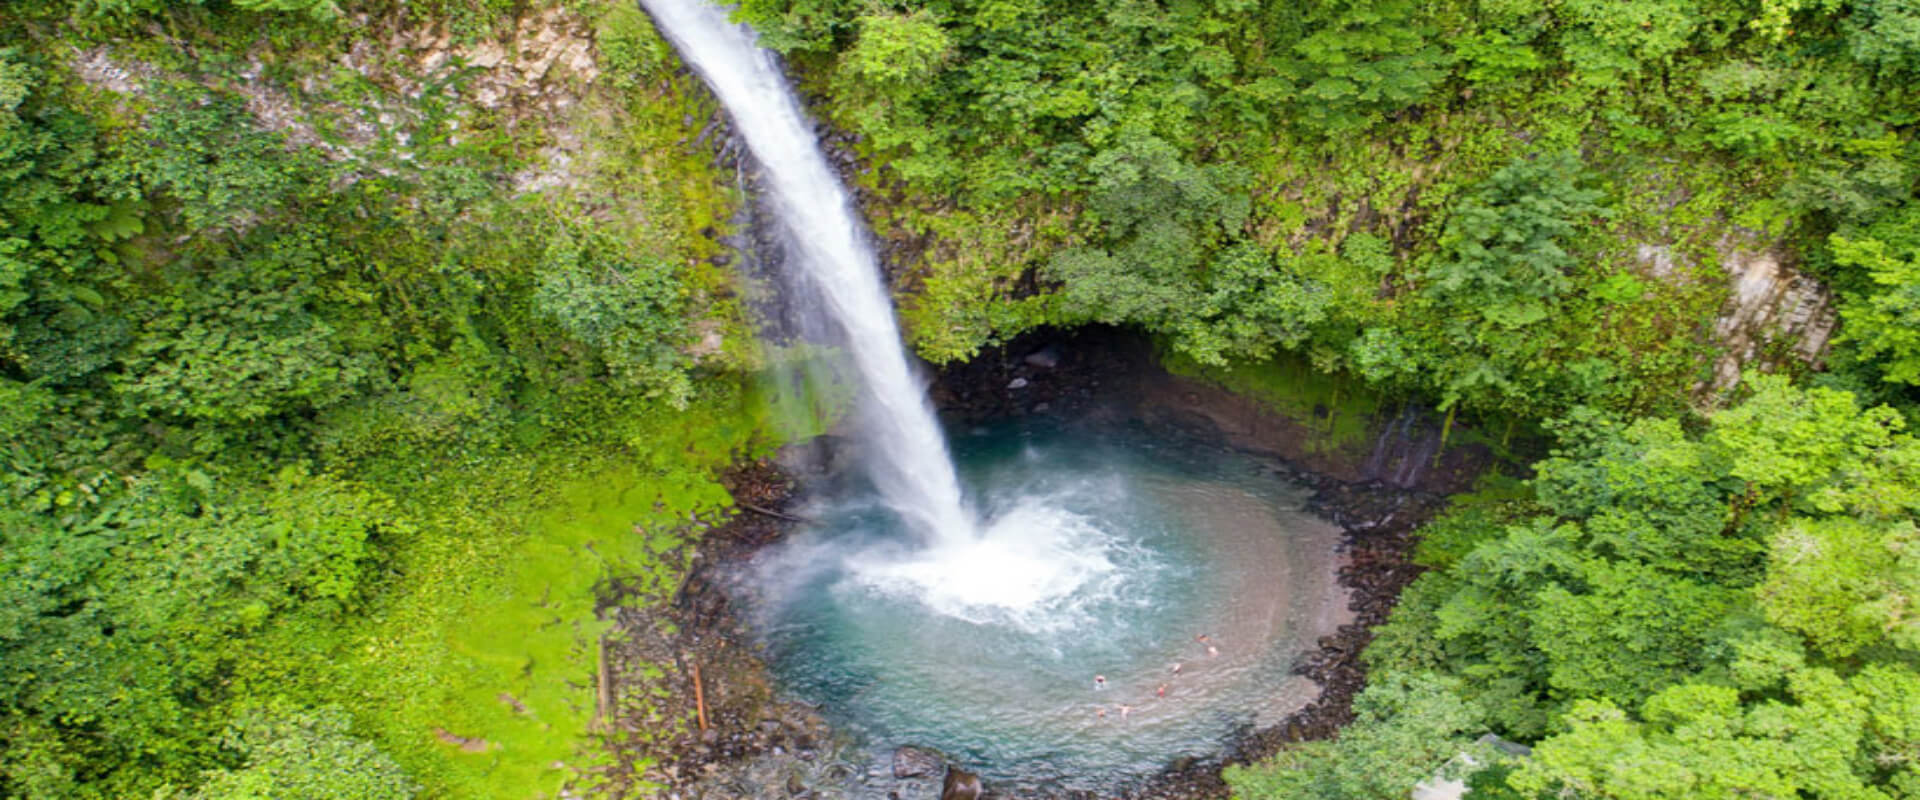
point(917, 762)
point(961, 785)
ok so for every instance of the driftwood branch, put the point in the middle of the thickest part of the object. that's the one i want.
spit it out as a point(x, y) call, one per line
point(699, 696)
point(602, 714)
point(770, 512)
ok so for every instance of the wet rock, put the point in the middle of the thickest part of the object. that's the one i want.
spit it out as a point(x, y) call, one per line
point(960, 785)
point(1017, 383)
point(795, 786)
point(916, 762)
point(1045, 358)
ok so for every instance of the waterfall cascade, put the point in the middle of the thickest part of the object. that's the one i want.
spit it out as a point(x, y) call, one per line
point(825, 239)
point(1187, 579)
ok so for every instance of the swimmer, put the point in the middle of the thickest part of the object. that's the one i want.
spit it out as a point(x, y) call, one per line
point(1213, 652)
point(1203, 638)
point(1161, 692)
point(1125, 710)
point(1099, 681)
point(1100, 711)
point(1176, 668)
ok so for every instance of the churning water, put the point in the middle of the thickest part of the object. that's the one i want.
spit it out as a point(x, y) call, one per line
point(991, 657)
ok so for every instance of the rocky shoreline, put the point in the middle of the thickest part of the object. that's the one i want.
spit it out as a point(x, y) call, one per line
point(698, 717)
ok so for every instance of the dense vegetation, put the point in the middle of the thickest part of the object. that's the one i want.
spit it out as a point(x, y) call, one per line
point(1445, 198)
point(321, 377)
point(1471, 201)
point(1725, 612)
point(284, 397)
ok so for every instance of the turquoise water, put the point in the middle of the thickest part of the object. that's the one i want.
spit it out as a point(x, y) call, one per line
point(1103, 554)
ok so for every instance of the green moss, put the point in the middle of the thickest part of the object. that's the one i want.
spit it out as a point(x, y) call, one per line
point(489, 634)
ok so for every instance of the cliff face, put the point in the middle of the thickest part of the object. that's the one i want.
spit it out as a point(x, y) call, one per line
point(402, 89)
point(1773, 314)
point(395, 87)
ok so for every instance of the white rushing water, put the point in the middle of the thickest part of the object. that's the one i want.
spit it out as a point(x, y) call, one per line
point(908, 455)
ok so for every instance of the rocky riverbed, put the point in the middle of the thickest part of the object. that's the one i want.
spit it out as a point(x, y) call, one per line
point(697, 716)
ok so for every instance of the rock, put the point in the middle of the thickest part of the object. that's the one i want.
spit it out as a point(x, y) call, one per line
point(1045, 358)
point(960, 785)
point(1018, 383)
point(916, 762)
point(795, 786)
point(486, 56)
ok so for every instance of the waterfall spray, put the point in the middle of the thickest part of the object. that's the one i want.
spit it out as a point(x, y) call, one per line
point(824, 239)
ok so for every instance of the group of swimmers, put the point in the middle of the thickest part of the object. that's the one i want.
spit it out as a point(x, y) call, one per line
point(1100, 681)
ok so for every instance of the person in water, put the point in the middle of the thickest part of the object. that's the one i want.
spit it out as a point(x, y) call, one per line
point(1212, 652)
point(1099, 681)
point(1125, 710)
point(1177, 666)
point(1160, 692)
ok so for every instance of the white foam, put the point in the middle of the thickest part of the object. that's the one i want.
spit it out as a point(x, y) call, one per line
point(1037, 567)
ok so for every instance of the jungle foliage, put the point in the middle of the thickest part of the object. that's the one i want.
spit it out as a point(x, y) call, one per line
point(1456, 200)
point(279, 405)
point(1665, 613)
point(1198, 168)
point(308, 458)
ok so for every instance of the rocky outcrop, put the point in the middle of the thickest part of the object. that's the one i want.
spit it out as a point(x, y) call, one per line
point(1774, 313)
point(533, 72)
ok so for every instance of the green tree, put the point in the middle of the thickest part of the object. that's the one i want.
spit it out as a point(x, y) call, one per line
point(1364, 59)
point(1823, 739)
point(1886, 33)
point(1883, 317)
point(1161, 214)
point(632, 309)
point(312, 754)
point(1503, 250)
point(1660, 548)
point(1845, 584)
point(1405, 730)
point(898, 50)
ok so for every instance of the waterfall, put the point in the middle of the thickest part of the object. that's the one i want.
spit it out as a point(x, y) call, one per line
point(906, 453)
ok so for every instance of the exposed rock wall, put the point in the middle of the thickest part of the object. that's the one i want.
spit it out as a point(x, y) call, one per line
point(533, 72)
point(1774, 313)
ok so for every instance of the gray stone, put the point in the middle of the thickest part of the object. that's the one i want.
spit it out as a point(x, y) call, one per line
point(1045, 358)
point(916, 762)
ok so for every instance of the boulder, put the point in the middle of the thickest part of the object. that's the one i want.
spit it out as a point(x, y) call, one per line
point(1045, 358)
point(916, 762)
point(961, 785)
